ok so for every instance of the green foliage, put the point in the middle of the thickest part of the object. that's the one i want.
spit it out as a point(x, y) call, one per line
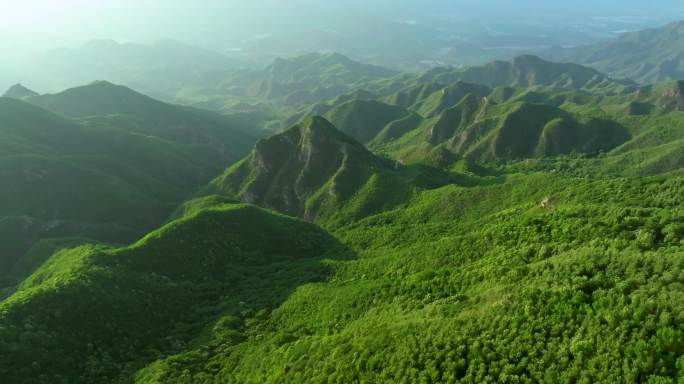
point(526, 71)
point(364, 120)
point(512, 234)
point(94, 313)
point(481, 285)
point(110, 177)
point(316, 172)
point(109, 105)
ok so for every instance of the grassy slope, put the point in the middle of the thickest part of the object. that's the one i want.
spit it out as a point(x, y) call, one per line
point(211, 271)
point(449, 284)
point(481, 284)
point(364, 120)
point(64, 177)
point(641, 129)
point(109, 105)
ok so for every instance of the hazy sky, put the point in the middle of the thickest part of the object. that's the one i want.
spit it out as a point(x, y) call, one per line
point(43, 23)
point(364, 29)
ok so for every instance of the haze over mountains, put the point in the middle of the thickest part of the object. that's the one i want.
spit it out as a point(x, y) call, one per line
point(190, 75)
point(106, 162)
point(400, 36)
point(396, 199)
point(645, 56)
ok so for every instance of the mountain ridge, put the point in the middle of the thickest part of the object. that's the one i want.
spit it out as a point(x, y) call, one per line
point(646, 56)
point(527, 71)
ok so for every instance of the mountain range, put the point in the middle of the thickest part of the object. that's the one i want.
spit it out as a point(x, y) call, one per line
point(646, 56)
point(103, 161)
point(519, 221)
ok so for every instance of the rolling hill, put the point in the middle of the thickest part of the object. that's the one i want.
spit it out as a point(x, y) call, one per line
point(470, 121)
point(363, 120)
point(526, 71)
point(202, 271)
point(109, 177)
point(114, 105)
point(304, 79)
point(237, 294)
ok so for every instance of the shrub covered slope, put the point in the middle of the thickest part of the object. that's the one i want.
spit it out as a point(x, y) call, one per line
point(528, 230)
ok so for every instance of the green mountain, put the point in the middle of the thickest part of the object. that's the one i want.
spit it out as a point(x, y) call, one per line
point(494, 125)
point(363, 120)
point(322, 73)
point(516, 222)
point(407, 96)
point(667, 96)
point(314, 171)
point(437, 102)
point(110, 178)
point(288, 87)
point(208, 270)
point(237, 294)
point(304, 79)
point(112, 105)
point(526, 71)
point(466, 273)
point(646, 56)
point(522, 130)
point(20, 92)
point(445, 124)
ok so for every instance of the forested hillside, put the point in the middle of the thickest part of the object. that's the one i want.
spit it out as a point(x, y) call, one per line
point(113, 171)
point(518, 222)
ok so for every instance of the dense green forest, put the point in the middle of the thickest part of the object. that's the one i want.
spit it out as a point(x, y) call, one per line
point(338, 222)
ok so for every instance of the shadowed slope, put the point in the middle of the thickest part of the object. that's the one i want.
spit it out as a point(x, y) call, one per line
point(218, 264)
point(109, 105)
point(363, 120)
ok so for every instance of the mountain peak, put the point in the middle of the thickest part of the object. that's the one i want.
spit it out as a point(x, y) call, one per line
point(97, 98)
point(337, 57)
point(317, 132)
point(318, 123)
point(102, 83)
point(18, 91)
point(316, 77)
point(307, 169)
